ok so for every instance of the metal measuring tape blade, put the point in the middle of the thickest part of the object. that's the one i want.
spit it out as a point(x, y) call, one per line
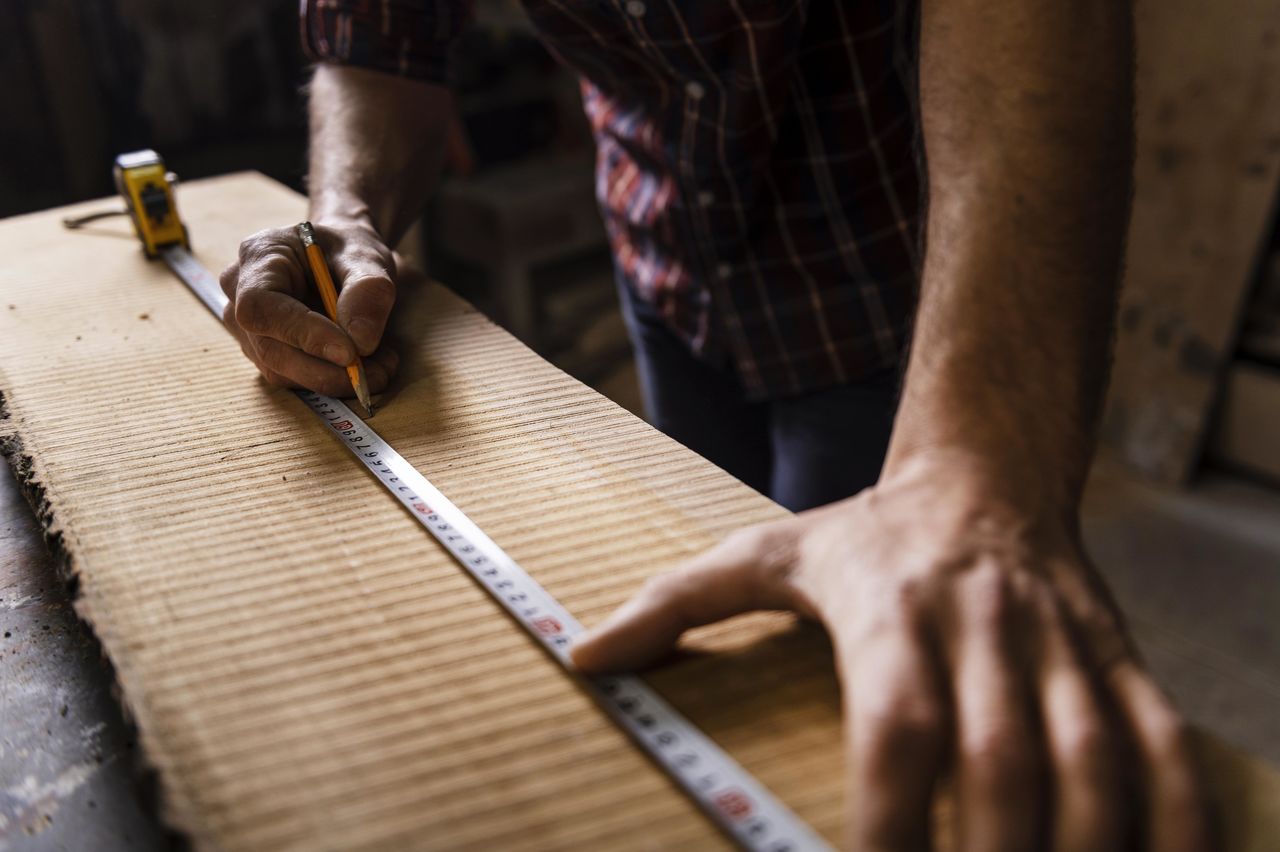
point(726, 792)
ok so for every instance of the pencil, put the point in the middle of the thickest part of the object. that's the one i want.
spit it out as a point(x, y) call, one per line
point(329, 295)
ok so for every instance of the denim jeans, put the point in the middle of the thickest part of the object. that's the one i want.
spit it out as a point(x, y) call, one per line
point(802, 451)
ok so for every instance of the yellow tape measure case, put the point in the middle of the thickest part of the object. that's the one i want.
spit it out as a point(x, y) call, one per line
point(147, 189)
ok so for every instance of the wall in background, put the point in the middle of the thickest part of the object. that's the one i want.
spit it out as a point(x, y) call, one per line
point(213, 86)
point(216, 87)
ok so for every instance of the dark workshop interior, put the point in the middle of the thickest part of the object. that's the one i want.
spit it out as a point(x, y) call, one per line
point(1181, 512)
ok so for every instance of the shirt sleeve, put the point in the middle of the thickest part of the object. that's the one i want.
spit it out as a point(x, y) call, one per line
point(410, 38)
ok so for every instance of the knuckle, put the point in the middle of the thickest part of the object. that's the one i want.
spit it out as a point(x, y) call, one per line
point(998, 759)
point(767, 536)
point(270, 351)
point(665, 592)
point(678, 593)
point(276, 264)
point(770, 549)
point(745, 539)
point(253, 311)
point(251, 247)
point(1171, 738)
point(1049, 610)
point(275, 355)
point(260, 242)
point(375, 290)
point(908, 598)
point(988, 594)
point(900, 608)
point(903, 720)
point(1097, 620)
point(299, 331)
point(660, 586)
point(227, 280)
point(274, 379)
point(1086, 747)
point(772, 540)
point(366, 241)
point(366, 255)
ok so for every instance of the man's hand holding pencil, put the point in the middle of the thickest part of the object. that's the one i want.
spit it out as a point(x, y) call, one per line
point(277, 315)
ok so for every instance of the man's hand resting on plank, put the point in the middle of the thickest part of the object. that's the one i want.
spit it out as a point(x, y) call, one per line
point(973, 638)
point(273, 308)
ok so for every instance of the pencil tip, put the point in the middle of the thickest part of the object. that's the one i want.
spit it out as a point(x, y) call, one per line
point(360, 384)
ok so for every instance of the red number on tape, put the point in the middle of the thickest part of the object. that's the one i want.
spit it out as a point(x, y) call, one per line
point(734, 804)
point(547, 625)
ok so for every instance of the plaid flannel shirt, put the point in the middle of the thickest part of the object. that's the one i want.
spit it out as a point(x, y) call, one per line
point(756, 168)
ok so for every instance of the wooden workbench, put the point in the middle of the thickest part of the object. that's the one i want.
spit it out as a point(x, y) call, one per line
point(306, 667)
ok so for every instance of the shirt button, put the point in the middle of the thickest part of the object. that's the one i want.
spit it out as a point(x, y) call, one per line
point(694, 90)
point(706, 199)
point(724, 270)
point(635, 8)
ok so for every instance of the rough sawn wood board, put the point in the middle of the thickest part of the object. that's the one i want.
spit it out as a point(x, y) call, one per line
point(307, 668)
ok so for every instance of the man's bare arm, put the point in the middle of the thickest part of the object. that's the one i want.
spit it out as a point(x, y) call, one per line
point(1027, 114)
point(972, 636)
point(376, 143)
point(376, 147)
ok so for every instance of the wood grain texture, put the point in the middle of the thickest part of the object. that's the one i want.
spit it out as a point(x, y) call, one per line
point(308, 669)
point(1208, 168)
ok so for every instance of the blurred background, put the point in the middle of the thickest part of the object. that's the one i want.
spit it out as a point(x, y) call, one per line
point(217, 87)
point(1182, 514)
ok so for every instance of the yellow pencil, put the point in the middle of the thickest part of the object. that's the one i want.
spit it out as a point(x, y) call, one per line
point(329, 295)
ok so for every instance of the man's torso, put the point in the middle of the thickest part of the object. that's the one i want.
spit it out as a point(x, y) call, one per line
point(757, 168)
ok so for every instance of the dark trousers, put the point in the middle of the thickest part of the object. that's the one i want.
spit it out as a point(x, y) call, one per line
point(802, 451)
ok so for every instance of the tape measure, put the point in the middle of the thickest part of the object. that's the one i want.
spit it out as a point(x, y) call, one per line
point(147, 188)
point(739, 804)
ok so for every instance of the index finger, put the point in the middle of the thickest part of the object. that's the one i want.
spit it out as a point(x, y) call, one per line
point(273, 260)
point(746, 571)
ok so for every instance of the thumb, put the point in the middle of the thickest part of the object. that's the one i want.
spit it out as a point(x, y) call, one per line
point(364, 306)
point(749, 570)
point(365, 268)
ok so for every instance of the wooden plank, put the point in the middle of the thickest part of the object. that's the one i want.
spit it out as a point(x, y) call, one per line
point(1248, 430)
point(1208, 164)
point(301, 680)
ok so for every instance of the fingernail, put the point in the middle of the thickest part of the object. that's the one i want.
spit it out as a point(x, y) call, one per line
point(338, 354)
point(575, 653)
point(364, 333)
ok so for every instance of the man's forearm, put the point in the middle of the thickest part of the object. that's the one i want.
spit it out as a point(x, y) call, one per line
point(376, 147)
point(1027, 115)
